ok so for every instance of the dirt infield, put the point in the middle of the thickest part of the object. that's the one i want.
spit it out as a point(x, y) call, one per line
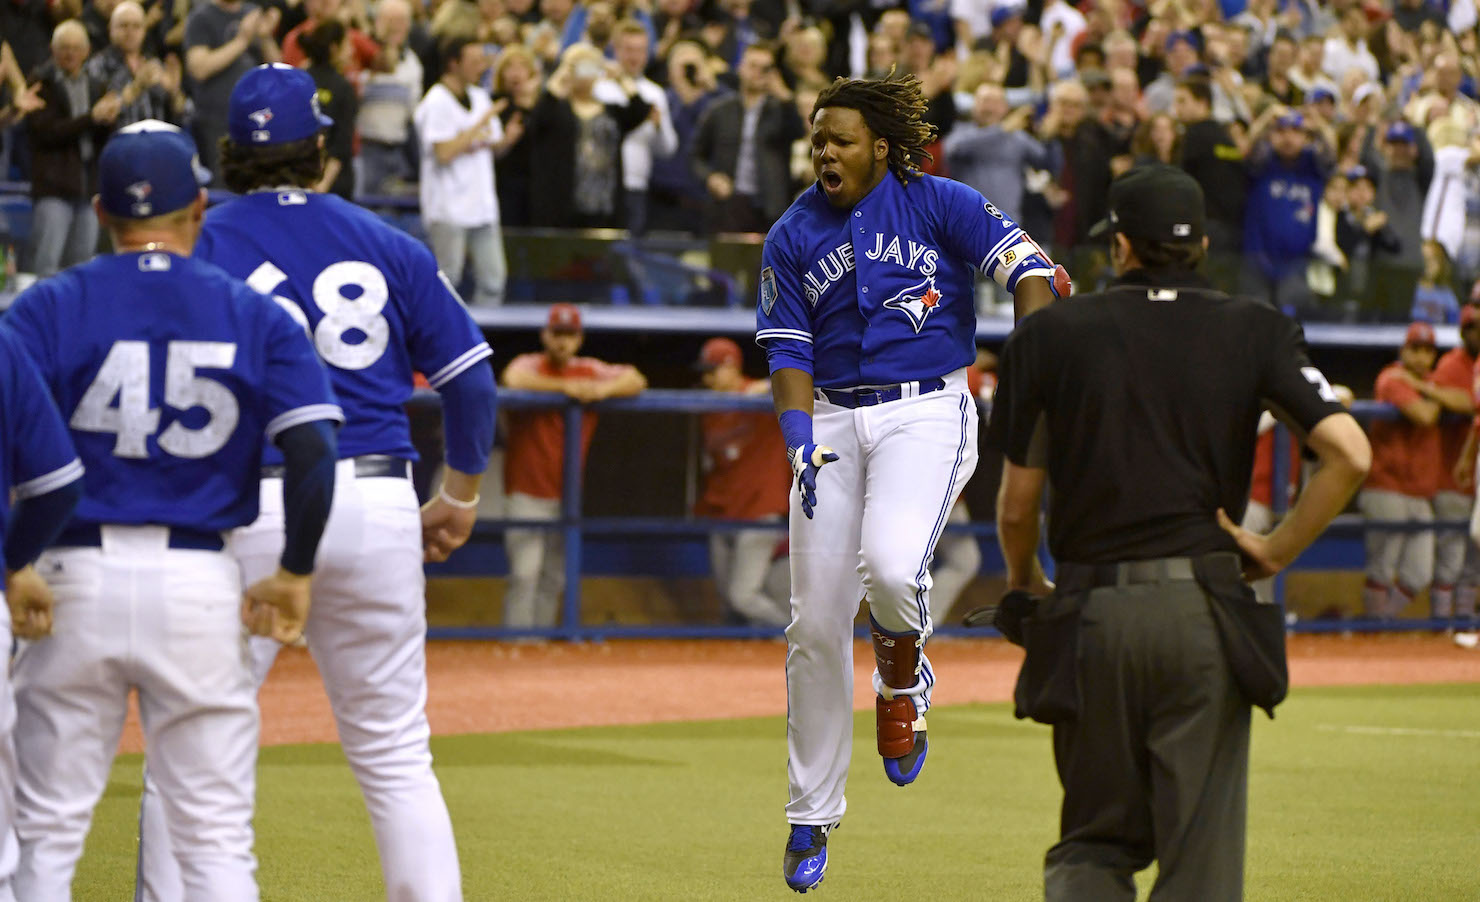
point(488, 687)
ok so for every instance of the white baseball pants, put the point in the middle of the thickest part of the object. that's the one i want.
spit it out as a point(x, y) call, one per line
point(367, 633)
point(536, 586)
point(880, 510)
point(9, 847)
point(1399, 564)
point(1456, 559)
point(135, 614)
point(741, 561)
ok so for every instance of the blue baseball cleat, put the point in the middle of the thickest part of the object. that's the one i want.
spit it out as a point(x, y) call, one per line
point(806, 856)
point(903, 771)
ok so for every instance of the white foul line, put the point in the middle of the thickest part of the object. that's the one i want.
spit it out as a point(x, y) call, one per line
point(1400, 731)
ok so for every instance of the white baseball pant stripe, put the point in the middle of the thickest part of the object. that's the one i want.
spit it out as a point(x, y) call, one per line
point(367, 633)
point(880, 508)
point(136, 615)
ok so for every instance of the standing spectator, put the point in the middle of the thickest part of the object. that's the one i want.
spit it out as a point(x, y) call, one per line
point(993, 151)
point(146, 88)
point(392, 90)
point(327, 49)
point(742, 146)
point(1441, 101)
point(1347, 50)
point(1123, 112)
point(1007, 25)
point(577, 143)
point(1213, 159)
point(1309, 72)
point(676, 196)
point(802, 58)
point(655, 137)
point(935, 73)
point(66, 136)
point(458, 129)
point(1277, 82)
point(1434, 301)
point(1183, 51)
point(1061, 25)
point(534, 460)
point(517, 86)
point(1157, 140)
point(1403, 479)
point(746, 477)
point(1405, 172)
point(223, 40)
point(1086, 170)
point(558, 28)
point(320, 12)
point(1363, 231)
point(1456, 558)
point(1287, 172)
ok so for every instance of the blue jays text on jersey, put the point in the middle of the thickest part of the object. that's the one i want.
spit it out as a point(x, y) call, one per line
point(371, 296)
point(885, 292)
point(169, 373)
point(36, 454)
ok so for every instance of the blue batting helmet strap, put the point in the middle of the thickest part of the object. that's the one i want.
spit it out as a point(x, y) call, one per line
point(148, 168)
point(275, 104)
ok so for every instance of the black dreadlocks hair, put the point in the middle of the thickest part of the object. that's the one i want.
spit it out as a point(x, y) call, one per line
point(892, 108)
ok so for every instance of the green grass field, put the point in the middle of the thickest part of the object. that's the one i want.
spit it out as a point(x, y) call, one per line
point(1356, 795)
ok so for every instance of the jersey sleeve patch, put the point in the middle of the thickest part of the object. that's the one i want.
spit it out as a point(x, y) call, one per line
point(768, 290)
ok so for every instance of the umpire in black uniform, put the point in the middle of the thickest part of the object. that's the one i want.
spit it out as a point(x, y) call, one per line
point(1139, 405)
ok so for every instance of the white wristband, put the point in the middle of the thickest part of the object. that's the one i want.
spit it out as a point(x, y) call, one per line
point(454, 502)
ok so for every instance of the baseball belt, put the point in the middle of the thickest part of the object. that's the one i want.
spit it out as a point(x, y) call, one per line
point(367, 466)
point(1079, 577)
point(90, 535)
point(871, 395)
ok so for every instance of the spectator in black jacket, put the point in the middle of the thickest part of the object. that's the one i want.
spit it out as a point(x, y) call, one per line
point(66, 137)
point(328, 49)
point(743, 146)
point(576, 146)
point(1212, 157)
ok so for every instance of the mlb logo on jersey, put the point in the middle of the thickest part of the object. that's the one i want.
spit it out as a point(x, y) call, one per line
point(917, 301)
point(154, 263)
point(261, 118)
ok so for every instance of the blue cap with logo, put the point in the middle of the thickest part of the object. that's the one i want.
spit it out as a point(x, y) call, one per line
point(274, 104)
point(1003, 12)
point(1319, 93)
point(1290, 120)
point(148, 168)
point(1400, 132)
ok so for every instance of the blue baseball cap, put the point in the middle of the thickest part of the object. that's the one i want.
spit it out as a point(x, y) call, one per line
point(1004, 12)
point(1400, 131)
point(275, 104)
point(1319, 93)
point(148, 168)
point(1191, 38)
point(1290, 120)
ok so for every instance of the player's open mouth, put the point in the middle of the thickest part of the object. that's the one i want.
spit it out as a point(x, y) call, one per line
point(831, 180)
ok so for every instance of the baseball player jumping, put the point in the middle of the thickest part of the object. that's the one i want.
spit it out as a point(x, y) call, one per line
point(868, 317)
point(39, 465)
point(378, 309)
point(170, 372)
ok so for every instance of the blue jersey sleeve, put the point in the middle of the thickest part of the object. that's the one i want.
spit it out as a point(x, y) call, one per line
point(34, 332)
point(783, 316)
point(442, 338)
point(41, 456)
point(297, 385)
point(975, 231)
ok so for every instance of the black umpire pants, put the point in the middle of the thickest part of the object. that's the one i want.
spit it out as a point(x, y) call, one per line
point(1155, 766)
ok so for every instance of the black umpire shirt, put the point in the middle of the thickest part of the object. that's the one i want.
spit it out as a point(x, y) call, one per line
point(1143, 404)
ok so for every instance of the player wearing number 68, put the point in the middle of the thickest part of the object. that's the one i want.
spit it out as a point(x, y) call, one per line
point(378, 310)
point(169, 373)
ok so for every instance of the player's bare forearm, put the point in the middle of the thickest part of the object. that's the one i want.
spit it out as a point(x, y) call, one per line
point(1018, 501)
point(1032, 293)
point(791, 389)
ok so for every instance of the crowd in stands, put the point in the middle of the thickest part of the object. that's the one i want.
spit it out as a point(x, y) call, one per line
point(1337, 142)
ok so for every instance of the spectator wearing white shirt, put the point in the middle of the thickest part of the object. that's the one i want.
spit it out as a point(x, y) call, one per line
point(458, 127)
point(1347, 49)
point(654, 138)
point(1061, 24)
point(389, 102)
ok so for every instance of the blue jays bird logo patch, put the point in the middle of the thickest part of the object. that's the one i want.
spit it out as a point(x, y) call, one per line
point(917, 301)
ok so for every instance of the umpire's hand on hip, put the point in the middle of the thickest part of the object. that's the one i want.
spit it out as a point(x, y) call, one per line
point(806, 460)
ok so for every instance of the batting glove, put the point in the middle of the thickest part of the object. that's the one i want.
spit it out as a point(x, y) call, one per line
point(806, 460)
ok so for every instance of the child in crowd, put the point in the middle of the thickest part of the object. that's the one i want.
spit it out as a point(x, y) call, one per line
point(1434, 300)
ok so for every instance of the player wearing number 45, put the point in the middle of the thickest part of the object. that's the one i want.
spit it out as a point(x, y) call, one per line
point(378, 309)
point(868, 317)
point(169, 373)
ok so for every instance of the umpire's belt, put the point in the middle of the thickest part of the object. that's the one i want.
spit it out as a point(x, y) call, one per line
point(90, 535)
point(1082, 577)
point(871, 395)
point(367, 466)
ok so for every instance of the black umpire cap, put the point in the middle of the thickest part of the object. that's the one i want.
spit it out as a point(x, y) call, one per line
point(1156, 202)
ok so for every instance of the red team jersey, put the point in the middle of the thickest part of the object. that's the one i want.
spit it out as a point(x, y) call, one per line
point(1404, 454)
point(747, 476)
point(535, 454)
point(1454, 370)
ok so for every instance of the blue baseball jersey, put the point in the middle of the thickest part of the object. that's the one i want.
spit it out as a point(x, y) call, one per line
point(885, 292)
point(169, 373)
point(36, 453)
point(371, 295)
